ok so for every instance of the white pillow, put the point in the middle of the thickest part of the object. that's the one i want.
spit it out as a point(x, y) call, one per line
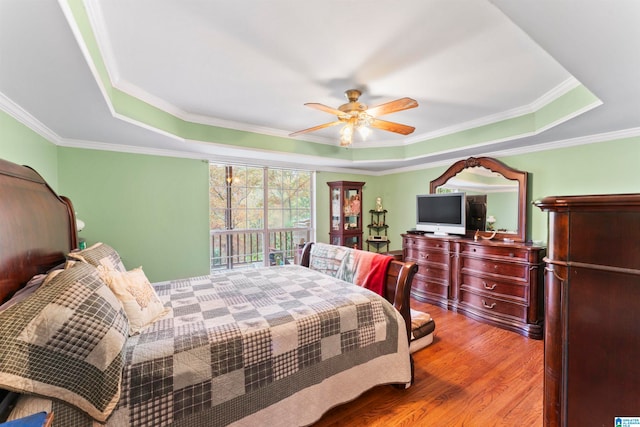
point(137, 296)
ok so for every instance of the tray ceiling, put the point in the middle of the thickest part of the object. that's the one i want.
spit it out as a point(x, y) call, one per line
point(228, 80)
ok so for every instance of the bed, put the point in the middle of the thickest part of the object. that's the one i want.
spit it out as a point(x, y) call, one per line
point(275, 345)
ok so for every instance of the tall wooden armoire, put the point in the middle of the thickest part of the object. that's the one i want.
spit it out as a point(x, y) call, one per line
point(592, 310)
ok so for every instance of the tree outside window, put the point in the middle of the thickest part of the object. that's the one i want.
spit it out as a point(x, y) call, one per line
point(244, 228)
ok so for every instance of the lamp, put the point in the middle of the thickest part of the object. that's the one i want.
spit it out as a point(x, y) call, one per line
point(79, 223)
point(82, 244)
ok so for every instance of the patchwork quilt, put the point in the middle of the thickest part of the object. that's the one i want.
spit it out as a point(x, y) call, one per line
point(240, 341)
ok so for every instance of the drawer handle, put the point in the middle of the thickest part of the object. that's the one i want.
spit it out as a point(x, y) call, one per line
point(492, 287)
point(424, 256)
point(485, 305)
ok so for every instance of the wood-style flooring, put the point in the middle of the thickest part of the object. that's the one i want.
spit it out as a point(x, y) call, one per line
point(473, 375)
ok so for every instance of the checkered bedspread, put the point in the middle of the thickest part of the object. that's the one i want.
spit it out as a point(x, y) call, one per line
point(241, 341)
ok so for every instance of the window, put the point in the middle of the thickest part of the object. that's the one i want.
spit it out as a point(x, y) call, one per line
point(244, 228)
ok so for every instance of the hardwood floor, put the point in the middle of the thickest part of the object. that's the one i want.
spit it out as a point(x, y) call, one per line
point(473, 375)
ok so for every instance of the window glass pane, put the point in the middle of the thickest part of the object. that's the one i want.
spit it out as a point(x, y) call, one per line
point(275, 218)
point(239, 175)
point(237, 200)
point(275, 178)
point(304, 195)
point(217, 219)
point(287, 220)
point(238, 197)
point(255, 198)
point(255, 220)
point(217, 197)
point(239, 218)
point(254, 177)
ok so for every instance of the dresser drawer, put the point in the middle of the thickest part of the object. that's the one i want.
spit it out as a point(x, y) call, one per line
point(489, 286)
point(507, 270)
point(495, 251)
point(422, 285)
point(421, 256)
point(431, 272)
point(426, 243)
point(493, 305)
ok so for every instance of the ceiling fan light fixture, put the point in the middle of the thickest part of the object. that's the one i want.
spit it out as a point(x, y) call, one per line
point(357, 116)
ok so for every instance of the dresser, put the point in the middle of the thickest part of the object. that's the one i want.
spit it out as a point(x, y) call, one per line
point(497, 282)
point(592, 330)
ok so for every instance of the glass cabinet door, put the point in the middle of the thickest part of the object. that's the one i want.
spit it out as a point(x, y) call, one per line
point(352, 208)
point(345, 213)
point(352, 242)
point(336, 209)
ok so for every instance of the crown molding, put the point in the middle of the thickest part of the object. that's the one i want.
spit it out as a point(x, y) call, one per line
point(23, 116)
point(543, 146)
point(555, 93)
point(307, 162)
point(542, 101)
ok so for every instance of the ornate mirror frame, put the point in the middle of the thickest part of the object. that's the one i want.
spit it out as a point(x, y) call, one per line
point(506, 171)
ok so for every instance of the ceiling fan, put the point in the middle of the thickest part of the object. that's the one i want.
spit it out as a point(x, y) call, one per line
point(356, 116)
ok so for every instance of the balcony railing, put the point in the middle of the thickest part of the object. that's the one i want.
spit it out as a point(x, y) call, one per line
point(247, 248)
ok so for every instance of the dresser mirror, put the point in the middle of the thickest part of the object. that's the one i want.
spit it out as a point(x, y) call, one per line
point(496, 196)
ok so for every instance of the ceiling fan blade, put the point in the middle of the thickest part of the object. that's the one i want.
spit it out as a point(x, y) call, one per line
point(325, 108)
point(392, 107)
point(392, 127)
point(315, 128)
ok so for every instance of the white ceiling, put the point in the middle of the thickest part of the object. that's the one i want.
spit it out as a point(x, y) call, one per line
point(251, 65)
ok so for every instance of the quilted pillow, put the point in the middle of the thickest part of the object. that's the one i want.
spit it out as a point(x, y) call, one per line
point(139, 299)
point(327, 259)
point(99, 254)
point(31, 286)
point(66, 342)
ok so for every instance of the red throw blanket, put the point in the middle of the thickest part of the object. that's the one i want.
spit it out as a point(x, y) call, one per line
point(371, 271)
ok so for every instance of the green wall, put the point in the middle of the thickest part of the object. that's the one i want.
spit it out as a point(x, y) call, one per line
point(598, 168)
point(21, 145)
point(153, 210)
point(601, 168)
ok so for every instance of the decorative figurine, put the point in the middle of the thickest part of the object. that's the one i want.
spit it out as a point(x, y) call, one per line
point(379, 204)
point(354, 203)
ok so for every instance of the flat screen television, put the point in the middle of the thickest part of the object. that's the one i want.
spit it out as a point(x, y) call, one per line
point(441, 214)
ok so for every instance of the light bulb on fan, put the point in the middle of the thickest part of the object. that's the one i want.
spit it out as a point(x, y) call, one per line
point(364, 132)
point(346, 134)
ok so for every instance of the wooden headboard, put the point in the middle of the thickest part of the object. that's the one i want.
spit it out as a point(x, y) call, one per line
point(37, 227)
